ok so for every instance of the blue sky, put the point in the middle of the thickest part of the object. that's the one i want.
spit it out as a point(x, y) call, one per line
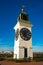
point(9, 11)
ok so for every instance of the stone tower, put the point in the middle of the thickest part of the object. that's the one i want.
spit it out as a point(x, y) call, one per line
point(23, 37)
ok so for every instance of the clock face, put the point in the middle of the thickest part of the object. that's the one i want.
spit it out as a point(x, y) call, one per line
point(25, 34)
point(17, 34)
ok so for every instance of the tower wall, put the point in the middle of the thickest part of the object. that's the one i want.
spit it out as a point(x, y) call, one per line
point(20, 44)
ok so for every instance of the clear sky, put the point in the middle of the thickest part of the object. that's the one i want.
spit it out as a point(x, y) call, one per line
point(9, 11)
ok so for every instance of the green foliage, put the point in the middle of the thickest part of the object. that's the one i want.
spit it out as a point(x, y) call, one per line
point(5, 56)
point(24, 60)
point(1, 59)
point(20, 60)
point(38, 59)
point(11, 59)
point(29, 59)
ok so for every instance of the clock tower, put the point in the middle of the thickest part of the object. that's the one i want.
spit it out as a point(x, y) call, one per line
point(23, 37)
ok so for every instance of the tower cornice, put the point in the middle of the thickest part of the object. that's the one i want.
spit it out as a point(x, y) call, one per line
point(25, 23)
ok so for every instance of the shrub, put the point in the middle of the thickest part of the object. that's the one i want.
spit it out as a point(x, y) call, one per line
point(20, 60)
point(29, 59)
point(38, 58)
point(1, 59)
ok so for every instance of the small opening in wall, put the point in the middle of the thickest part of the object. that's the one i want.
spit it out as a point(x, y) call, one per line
point(25, 52)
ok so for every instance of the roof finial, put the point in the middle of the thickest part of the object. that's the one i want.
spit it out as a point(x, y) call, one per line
point(22, 9)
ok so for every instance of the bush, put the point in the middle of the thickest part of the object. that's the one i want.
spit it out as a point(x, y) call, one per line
point(29, 59)
point(38, 59)
point(1, 59)
point(11, 59)
point(20, 60)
